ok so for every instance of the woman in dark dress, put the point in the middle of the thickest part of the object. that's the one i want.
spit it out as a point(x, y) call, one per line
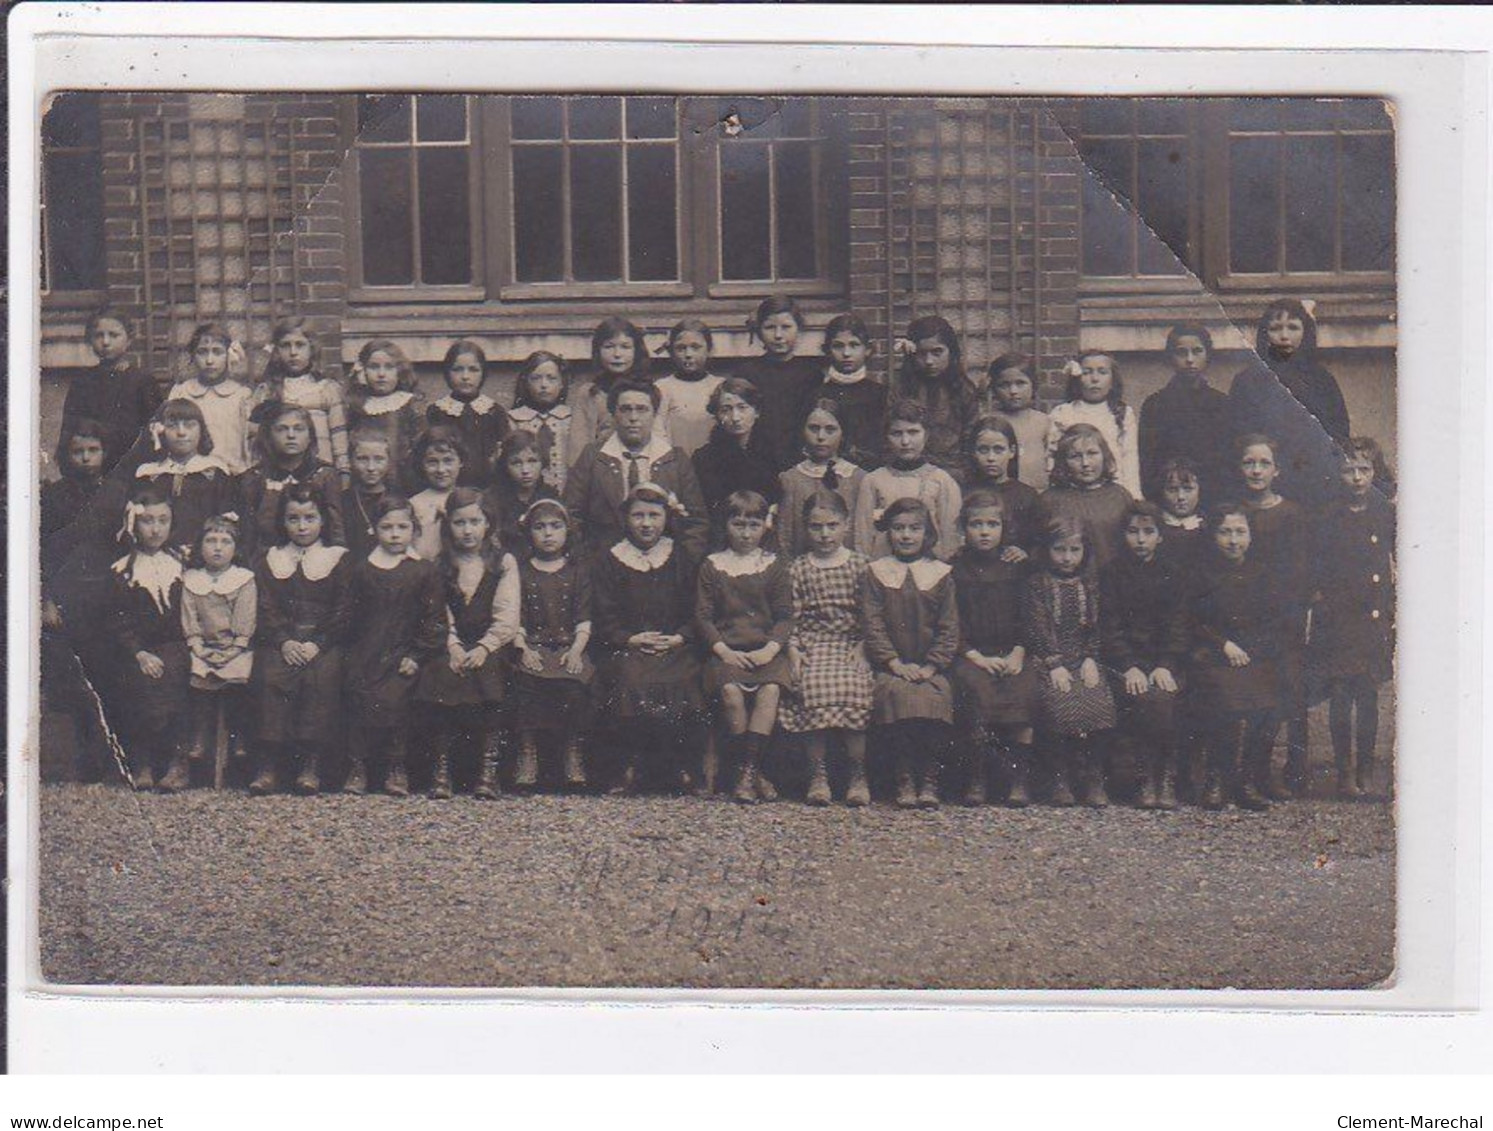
point(735, 458)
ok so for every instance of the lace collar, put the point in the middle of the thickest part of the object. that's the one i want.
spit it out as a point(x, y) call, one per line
point(315, 561)
point(733, 564)
point(528, 412)
point(843, 468)
point(926, 572)
point(1191, 522)
point(654, 450)
point(379, 558)
point(389, 402)
point(644, 561)
point(833, 376)
point(275, 478)
point(195, 389)
point(451, 405)
point(201, 582)
point(190, 466)
point(155, 573)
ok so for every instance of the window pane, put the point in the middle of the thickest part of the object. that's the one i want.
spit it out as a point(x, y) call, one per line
point(596, 212)
point(538, 215)
point(1106, 231)
point(795, 200)
point(759, 117)
point(536, 117)
point(75, 221)
point(1255, 113)
point(445, 216)
point(651, 117)
point(746, 222)
point(1311, 203)
point(441, 117)
point(1363, 114)
point(1161, 116)
point(797, 116)
point(384, 197)
point(71, 121)
point(1254, 223)
point(1163, 205)
point(596, 117)
point(1106, 115)
point(1111, 161)
point(653, 252)
point(1368, 203)
point(383, 117)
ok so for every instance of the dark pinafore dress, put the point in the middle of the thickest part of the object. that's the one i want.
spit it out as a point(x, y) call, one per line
point(552, 605)
point(470, 619)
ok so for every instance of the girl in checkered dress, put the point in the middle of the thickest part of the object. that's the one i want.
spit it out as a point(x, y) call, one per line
point(826, 648)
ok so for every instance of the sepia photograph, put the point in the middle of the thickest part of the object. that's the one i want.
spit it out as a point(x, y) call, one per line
point(499, 540)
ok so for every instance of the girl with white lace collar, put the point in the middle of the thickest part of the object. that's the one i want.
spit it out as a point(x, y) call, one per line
point(383, 398)
point(303, 614)
point(439, 460)
point(645, 619)
point(399, 623)
point(822, 468)
point(912, 634)
point(216, 387)
point(145, 616)
point(684, 413)
point(744, 614)
point(480, 423)
point(541, 407)
point(291, 376)
point(197, 481)
point(462, 691)
point(218, 614)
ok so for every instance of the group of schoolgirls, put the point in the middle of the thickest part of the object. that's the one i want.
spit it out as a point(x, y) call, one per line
point(797, 548)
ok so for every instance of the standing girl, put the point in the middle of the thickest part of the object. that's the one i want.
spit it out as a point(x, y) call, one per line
point(1011, 385)
point(912, 631)
point(1281, 541)
point(1187, 418)
point(645, 617)
point(860, 401)
point(479, 421)
point(684, 413)
point(743, 614)
point(518, 485)
point(826, 648)
point(224, 401)
point(285, 432)
point(219, 611)
point(371, 469)
point(398, 624)
point(438, 463)
point(113, 393)
point(1084, 489)
point(620, 353)
point(933, 375)
point(1353, 626)
point(145, 618)
point(540, 408)
point(553, 675)
point(1096, 396)
point(991, 448)
point(289, 377)
point(384, 399)
point(782, 377)
point(303, 586)
point(736, 458)
point(1060, 615)
point(1235, 672)
point(907, 473)
point(464, 688)
point(995, 686)
point(196, 480)
point(821, 469)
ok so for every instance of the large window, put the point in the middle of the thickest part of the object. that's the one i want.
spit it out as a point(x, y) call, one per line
point(1237, 192)
point(531, 197)
point(72, 196)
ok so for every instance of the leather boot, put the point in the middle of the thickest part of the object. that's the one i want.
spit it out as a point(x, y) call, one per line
point(1253, 754)
point(1161, 779)
point(575, 762)
point(1363, 775)
point(203, 726)
point(177, 777)
point(308, 781)
point(526, 773)
point(858, 792)
point(1095, 796)
point(1296, 775)
point(928, 795)
point(818, 794)
point(628, 780)
point(1148, 797)
point(487, 788)
point(746, 770)
point(356, 782)
point(1062, 769)
point(907, 794)
point(1221, 751)
point(440, 767)
point(396, 778)
point(1020, 761)
point(141, 777)
point(976, 789)
point(264, 777)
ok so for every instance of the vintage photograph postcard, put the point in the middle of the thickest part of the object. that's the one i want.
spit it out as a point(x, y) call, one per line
point(669, 540)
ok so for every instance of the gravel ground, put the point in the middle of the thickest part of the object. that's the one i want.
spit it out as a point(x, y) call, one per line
point(206, 888)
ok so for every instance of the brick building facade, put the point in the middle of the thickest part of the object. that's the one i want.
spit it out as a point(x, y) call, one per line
point(1041, 226)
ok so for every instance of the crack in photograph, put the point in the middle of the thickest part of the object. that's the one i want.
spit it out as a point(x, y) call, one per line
point(785, 542)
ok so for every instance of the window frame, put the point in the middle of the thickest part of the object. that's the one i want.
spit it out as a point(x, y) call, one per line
point(79, 298)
